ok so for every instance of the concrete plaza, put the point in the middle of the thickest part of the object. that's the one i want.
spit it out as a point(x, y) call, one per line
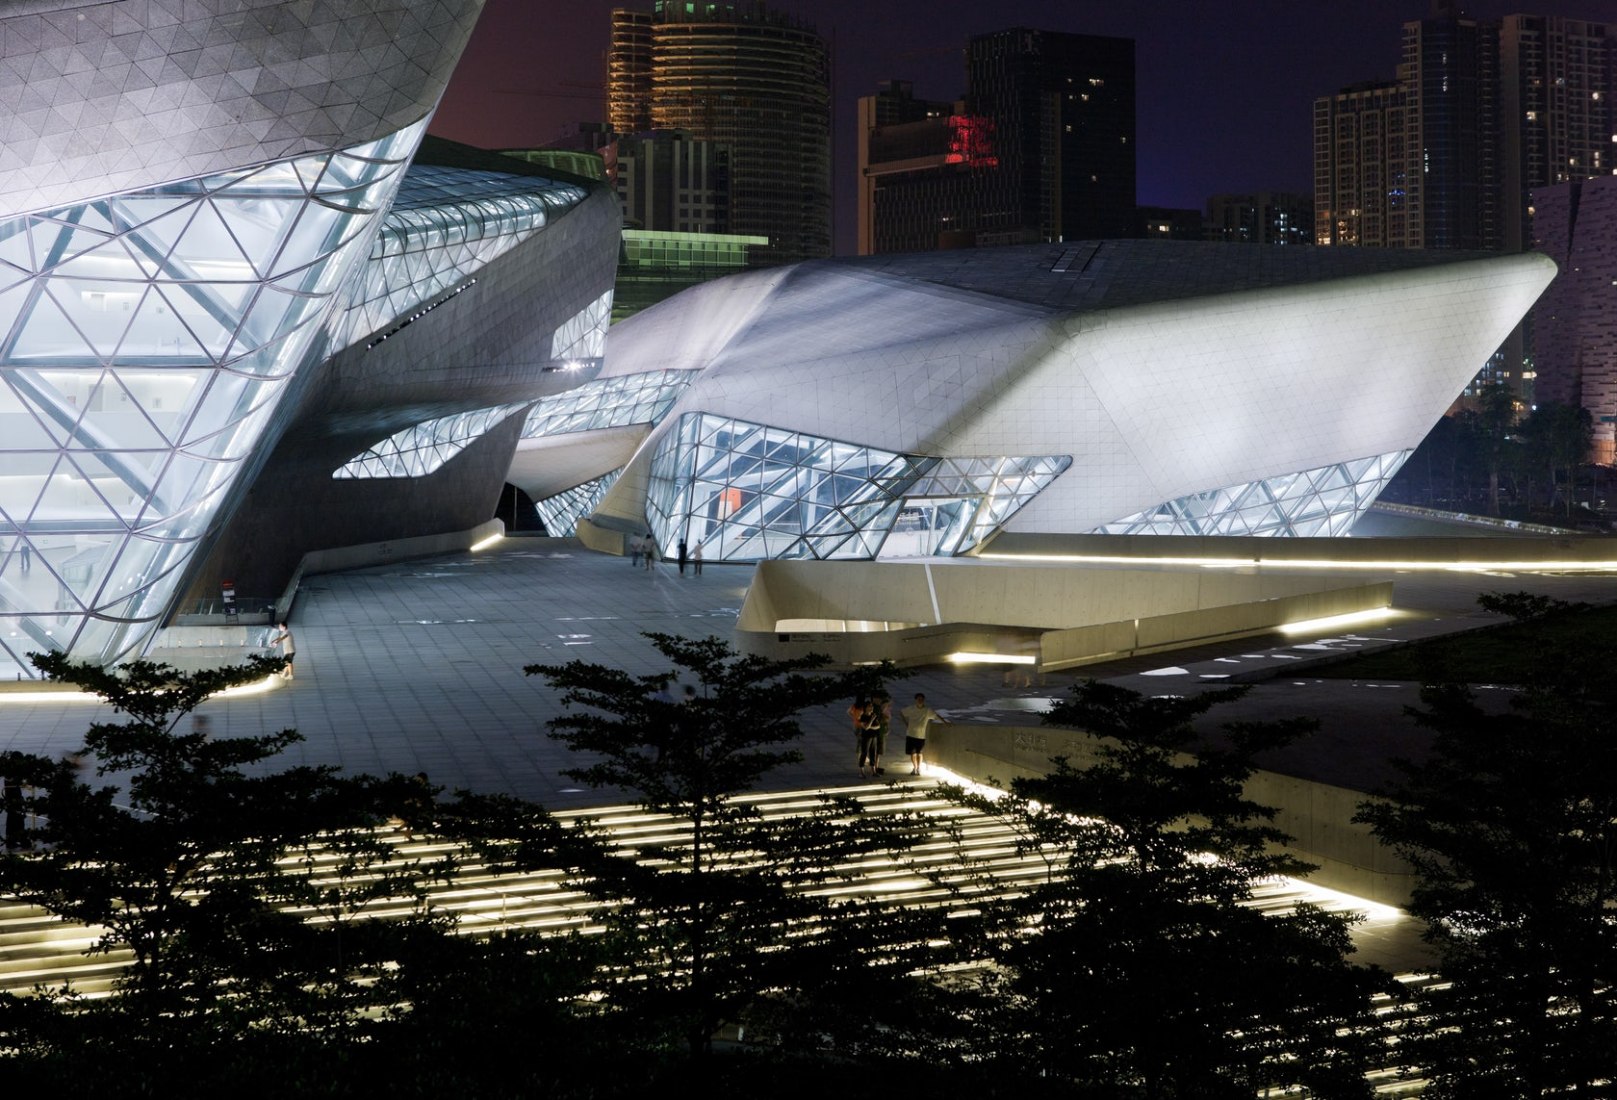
point(417, 667)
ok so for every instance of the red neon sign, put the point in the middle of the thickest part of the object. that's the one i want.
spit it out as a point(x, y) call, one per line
point(971, 142)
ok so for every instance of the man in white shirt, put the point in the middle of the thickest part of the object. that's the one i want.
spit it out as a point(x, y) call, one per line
point(917, 717)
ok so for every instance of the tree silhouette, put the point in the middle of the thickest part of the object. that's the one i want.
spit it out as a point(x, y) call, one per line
point(730, 916)
point(1141, 970)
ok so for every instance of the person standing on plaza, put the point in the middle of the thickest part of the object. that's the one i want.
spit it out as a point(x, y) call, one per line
point(882, 703)
point(696, 559)
point(917, 717)
point(636, 546)
point(684, 556)
point(281, 639)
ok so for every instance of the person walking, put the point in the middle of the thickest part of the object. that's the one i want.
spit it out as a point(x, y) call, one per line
point(684, 556)
point(869, 729)
point(636, 547)
point(651, 554)
point(696, 559)
point(281, 639)
point(917, 717)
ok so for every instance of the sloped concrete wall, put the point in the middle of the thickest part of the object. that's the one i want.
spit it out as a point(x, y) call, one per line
point(1317, 816)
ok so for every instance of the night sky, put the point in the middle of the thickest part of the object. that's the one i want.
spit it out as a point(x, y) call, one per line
point(1226, 87)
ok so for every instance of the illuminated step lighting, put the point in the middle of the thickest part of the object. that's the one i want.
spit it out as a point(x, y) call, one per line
point(1504, 566)
point(1341, 622)
point(258, 687)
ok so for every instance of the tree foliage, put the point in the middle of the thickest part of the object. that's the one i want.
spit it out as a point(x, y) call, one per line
point(1511, 826)
point(1142, 971)
point(194, 855)
point(729, 917)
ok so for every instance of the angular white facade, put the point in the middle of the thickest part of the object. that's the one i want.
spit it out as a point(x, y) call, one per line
point(1127, 386)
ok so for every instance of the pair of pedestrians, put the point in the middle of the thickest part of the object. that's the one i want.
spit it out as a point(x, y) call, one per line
point(871, 718)
point(645, 547)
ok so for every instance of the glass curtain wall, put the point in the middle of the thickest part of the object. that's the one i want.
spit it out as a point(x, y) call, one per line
point(146, 340)
point(1327, 500)
point(746, 492)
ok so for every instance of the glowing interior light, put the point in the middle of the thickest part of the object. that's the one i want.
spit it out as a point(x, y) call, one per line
point(963, 658)
point(484, 544)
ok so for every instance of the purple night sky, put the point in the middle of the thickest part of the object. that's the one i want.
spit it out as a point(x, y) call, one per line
point(1225, 97)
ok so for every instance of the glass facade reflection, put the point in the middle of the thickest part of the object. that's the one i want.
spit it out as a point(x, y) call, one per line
point(746, 492)
point(146, 340)
point(421, 448)
point(1322, 501)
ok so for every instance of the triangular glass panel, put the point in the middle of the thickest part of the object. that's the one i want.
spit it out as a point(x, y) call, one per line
point(157, 237)
point(47, 335)
point(99, 312)
point(15, 242)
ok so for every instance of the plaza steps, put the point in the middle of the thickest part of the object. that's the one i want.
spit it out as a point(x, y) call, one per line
point(959, 859)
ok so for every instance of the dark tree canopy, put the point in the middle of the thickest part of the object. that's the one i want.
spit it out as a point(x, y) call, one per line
point(727, 915)
point(1141, 971)
point(1511, 826)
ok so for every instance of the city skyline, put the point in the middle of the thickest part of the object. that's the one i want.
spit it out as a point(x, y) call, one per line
point(1225, 88)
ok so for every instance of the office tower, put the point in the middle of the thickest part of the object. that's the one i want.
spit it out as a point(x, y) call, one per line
point(906, 124)
point(1040, 149)
point(1575, 322)
point(1361, 167)
point(1263, 217)
point(673, 181)
point(751, 80)
point(1557, 96)
point(1450, 70)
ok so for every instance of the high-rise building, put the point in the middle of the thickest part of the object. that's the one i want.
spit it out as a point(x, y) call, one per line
point(1263, 217)
point(1417, 157)
point(1042, 148)
point(1575, 322)
point(1450, 69)
point(750, 80)
point(1361, 167)
point(1558, 101)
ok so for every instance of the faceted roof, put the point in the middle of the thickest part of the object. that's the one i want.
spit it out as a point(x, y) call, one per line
point(113, 96)
point(1087, 275)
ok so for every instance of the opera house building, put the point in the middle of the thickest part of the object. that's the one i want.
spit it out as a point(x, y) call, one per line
point(248, 311)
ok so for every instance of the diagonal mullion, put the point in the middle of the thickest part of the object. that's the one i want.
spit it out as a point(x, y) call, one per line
point(49, 401)
point(36, 286)
point(177, 273)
